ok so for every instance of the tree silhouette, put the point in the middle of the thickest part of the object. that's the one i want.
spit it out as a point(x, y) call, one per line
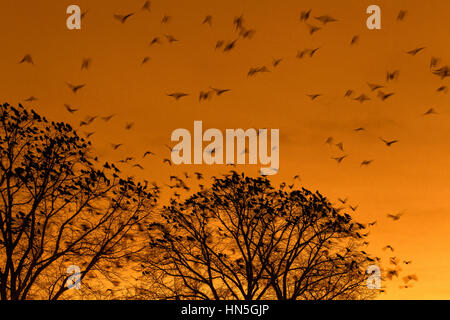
point(59, 207)
point(244, 239)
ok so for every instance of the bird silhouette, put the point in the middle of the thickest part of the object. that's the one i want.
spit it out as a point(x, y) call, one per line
point(325, 19)
point(374, 86)
point(362, 98)
point(314, 96)
point(123, 18)
point(366, 162)
point(430, 112)
point(355, 40)
point(340, 145)
point(146, 5)
point(85, 64)
point(166, 19)
point(31, 99)
point(69, 108)
point(401, 15)
point(395, 217)
point(177, 95)
point(107, 118)
point(230, 45)
point(340, 159)
point(304, 15)
point(389, 143)
point(312, 29)
point(413, 52)
point(155, 40)
point(443, 89)
point(116, 146)
point(207, 20)
point(392, 75)
point(27, 59)
point(147, 153)
point(276, 62)
point(75, 88)
point(170, 38)
point(220, 91)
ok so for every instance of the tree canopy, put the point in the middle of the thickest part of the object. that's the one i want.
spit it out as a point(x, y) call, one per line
point(60, 207)
point(245, 239)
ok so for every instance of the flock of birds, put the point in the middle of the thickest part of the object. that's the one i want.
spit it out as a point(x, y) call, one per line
point(313, 24)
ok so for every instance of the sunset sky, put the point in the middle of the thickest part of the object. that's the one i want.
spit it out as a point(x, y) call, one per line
point(411, 176)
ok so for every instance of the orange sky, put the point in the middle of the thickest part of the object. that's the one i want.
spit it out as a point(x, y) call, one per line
point(412, 175)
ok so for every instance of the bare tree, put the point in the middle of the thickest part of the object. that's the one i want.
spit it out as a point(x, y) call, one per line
point(244, 239)
point(59, 207)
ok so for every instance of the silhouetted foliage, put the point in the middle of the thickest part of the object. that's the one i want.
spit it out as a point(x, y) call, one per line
point(58, 208)
point(244, 239)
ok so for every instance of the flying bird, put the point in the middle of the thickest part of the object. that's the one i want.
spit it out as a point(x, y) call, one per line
point(123, 18)
point(410, 277)
point(276, 62)
point(374, 87)
point(238, 22)
point(177, 95)
point(430, 112)
point(325, 19)
point(229, 45)
point(85, 63)
point(170, 38)
point(401, 15)
point(148, 153)
point(219, 44)
point(75, 88)
point(312, 29)
point(366, 162)
point(392, 75)
point(31, 99)
point(69, 108)
point(220, 91)
point(388, 143)
point(207, 20)
point(354, 40)
point(314, 96)
point(28, 59)
point(415, 51)
point(395, 217)
point(383, 96)
point(107, 118)
point(362, 98)
point(442, 89)
point(146, 5)
point(340, 159)
point(166, 19)
point(304, 15)
point(155, 40)
point(116, 146)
